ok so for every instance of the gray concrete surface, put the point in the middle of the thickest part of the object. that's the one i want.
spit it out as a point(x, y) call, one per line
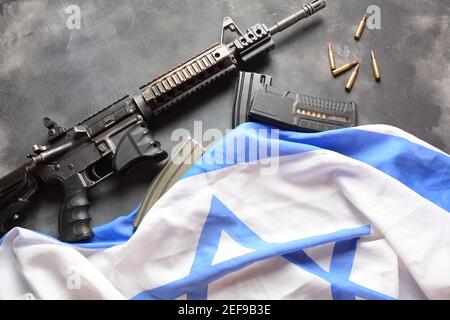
point(48, 70)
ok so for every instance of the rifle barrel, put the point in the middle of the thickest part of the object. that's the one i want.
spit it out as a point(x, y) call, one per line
point(306, 11)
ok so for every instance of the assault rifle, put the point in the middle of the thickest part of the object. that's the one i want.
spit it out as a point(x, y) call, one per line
point(118, 138)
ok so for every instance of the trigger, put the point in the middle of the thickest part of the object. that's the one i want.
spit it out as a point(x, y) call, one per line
point(136, 146)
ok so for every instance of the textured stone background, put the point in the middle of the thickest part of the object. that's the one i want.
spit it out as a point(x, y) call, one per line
point(46, 69)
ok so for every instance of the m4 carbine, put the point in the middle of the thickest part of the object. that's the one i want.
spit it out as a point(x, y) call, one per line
point(117, 138)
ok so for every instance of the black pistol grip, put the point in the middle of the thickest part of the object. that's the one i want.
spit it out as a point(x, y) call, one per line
point(74, 219)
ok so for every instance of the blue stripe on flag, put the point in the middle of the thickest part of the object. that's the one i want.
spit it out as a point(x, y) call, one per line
point(425, 171)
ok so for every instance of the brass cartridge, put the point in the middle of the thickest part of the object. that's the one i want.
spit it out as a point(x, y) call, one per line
point(331, 57)
point(376, 68)
point(344, 68)
point(361, 28)
point(352, 79)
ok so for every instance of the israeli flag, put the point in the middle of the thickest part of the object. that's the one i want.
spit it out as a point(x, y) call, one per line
point(359, 213)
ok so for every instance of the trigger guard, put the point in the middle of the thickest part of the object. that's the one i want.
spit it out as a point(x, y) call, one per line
point(137, 146)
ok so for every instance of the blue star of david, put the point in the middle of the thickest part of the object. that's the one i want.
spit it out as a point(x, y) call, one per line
point(221, 219)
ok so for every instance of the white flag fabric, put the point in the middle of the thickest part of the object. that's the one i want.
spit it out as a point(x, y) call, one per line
point(359, 213)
